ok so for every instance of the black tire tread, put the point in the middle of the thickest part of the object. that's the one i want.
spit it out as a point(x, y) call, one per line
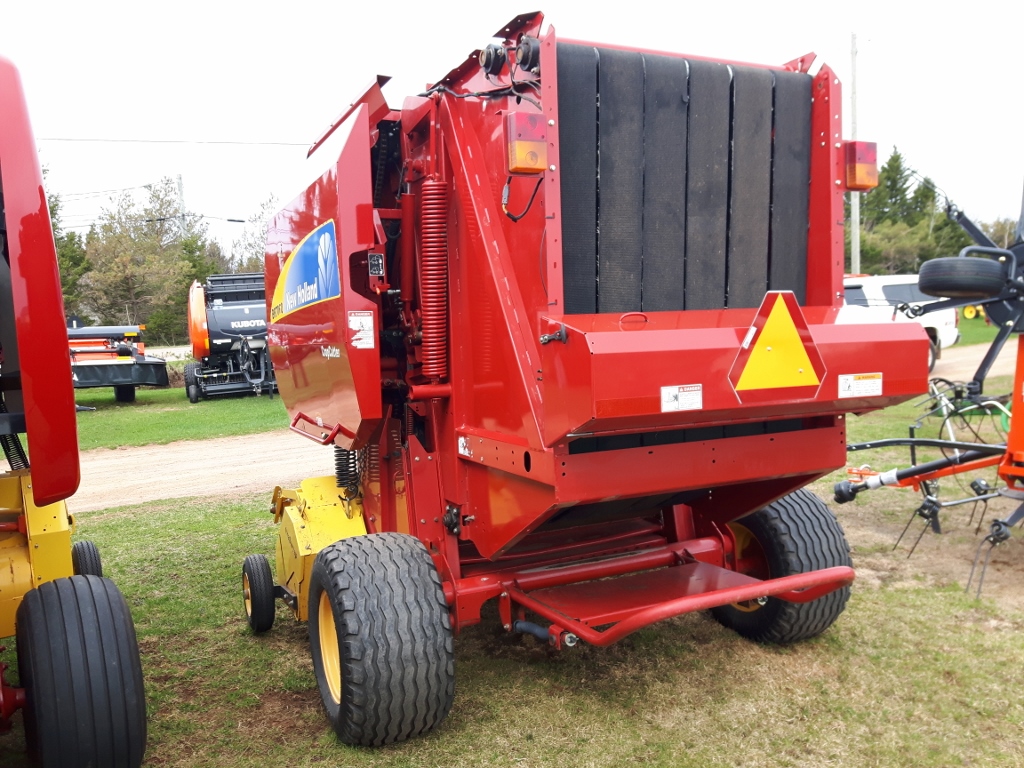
point(124, 393)
point(78, 659)
point(189, 373)
point(395, 637)
point(961, 278)
point(803, 535)
point(261, 593)
point(85, 559)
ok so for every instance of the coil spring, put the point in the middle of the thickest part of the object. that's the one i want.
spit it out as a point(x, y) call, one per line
point(410, 422)
point(371, 462)
point(434, 279)
point(346, 470)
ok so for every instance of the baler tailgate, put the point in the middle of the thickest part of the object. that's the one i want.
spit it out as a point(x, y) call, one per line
point(632, 602)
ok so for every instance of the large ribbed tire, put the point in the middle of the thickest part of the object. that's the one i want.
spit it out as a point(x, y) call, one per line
point(795, 534)
point(124, 393)
point(381, 639)
point(78, 661)
point(258, 593)
point(962, 278)
point(189, 374)
point(85, 559)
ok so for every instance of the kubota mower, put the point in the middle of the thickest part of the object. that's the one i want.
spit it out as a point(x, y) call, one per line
point(80, 680)
point(567, 320)
point(227, 325)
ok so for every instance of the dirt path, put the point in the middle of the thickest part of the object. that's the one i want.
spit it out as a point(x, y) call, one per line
point(222, 466)
point(959, 363)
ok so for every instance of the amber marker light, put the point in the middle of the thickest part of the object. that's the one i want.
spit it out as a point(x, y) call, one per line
point(861, 165)
point(527, 143)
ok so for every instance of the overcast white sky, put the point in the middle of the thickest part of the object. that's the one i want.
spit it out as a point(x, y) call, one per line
point(942, 82)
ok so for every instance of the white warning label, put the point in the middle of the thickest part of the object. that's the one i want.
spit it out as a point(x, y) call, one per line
point(860, 384)
point(682, 397)
point(361, 325)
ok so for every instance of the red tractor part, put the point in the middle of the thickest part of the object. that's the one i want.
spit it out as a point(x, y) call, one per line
point(568, 319)
point(81, 692)
point(113, 356)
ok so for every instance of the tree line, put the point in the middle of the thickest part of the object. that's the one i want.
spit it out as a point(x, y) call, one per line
point(135, 264)
point(904, 223)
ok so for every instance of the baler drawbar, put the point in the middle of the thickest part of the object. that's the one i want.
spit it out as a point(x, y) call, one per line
point(568, 320)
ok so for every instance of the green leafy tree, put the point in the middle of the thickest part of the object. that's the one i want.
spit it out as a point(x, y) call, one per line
point(903, 225)
point(248, 252)
point(143, 258)
point(71, 259)
point(1003, 232)
point(888, 201)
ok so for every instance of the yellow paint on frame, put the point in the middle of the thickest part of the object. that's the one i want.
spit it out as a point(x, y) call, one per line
point(778, 359)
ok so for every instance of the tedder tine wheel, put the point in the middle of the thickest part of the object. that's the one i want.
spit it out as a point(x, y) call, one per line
point(85, 559)
point(258, 593)
point(381, 639)
point(795, 534)
point(78, 660)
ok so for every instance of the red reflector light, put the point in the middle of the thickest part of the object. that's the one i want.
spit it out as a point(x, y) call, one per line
point(861, 165)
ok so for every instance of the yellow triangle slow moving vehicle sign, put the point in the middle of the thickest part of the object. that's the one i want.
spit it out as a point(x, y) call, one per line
point(777, 359)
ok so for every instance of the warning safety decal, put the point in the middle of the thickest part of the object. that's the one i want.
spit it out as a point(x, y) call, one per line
point(777, 358)
point(860, 384)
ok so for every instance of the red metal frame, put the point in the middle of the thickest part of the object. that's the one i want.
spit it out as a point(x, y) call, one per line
point(43, 356)
point(473, 424)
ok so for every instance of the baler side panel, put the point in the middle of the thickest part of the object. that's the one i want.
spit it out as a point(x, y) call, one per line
point(326, 350)
point(824, 235)
point(498, 263)
point(42, 350)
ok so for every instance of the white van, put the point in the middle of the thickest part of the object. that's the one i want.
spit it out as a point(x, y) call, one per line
point(874, 298)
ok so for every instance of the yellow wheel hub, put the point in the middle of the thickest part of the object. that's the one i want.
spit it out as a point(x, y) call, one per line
point(330, 654)
point(747, 546)
point(247, 594)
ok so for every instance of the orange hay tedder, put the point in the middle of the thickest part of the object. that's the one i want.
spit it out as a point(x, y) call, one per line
point(567, 320)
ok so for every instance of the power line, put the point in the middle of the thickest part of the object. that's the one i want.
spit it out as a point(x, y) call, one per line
point(183, 141)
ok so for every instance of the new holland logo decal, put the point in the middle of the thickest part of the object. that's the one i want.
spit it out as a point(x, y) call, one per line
point(309, 274)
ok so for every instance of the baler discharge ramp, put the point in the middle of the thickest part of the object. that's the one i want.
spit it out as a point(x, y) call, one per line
point(568, 320)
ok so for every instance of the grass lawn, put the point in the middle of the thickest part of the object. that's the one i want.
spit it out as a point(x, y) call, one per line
point(165, 415)
point(911, 674)
point(976, 331)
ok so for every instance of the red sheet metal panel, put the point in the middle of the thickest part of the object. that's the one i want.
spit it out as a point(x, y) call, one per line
point(322, 331)
point(44, 358)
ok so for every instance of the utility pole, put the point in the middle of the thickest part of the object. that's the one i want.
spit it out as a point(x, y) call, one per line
point(854, 195)
point(181, 206)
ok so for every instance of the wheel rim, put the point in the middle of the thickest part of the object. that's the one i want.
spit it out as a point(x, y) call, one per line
point(330, 654)
point(247, 594)
point(749, 549)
